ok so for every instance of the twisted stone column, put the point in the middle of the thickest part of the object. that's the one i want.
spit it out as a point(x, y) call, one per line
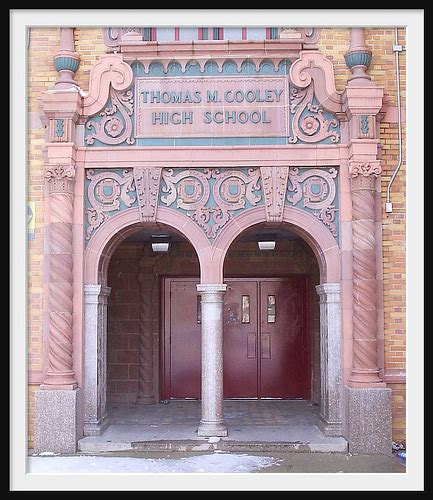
point(212, 418)
point(147, 284)
point(60, 373)
point(365, 370)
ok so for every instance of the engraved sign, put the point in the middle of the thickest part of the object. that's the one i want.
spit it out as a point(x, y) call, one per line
point(211, 107)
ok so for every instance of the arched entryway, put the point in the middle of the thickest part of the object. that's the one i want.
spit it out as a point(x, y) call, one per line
point(271, 316)
point(124, 354)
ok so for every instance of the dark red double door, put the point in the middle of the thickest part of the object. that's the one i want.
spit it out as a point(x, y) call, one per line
point(266, 351)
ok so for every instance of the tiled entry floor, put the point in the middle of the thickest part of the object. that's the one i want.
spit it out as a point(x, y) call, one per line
point(252, 425)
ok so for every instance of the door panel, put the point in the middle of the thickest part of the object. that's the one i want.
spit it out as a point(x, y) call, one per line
point(185, 340)
point(281, 331)
point(265, 339)
point(240, 339)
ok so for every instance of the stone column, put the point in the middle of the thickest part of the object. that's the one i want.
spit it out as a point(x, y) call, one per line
point(368, 417)
point(146, 393)
point(365, 371)
point(95, 359)
point(330, 358)
point(212, 419)
point(59, 421)
point(60, 373)
point(58, 425)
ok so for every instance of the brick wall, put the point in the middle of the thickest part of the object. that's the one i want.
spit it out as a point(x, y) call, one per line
point(43, 45)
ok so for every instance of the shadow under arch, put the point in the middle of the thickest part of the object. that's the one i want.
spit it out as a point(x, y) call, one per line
point(107, 238)
point(312, 231)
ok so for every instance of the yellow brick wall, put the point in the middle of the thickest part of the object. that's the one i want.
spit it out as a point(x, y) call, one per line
point(42, 75)
point(43, 44)
point(334, 43)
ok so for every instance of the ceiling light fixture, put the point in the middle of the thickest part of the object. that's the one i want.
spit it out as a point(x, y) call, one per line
point(267, 242)
point(160, 243)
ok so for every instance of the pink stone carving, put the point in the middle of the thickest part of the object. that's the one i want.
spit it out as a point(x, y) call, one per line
point(366, 169)
point(60, 178)
point(364, 368)
point(313, 66)
point(211, 218)
point(60, 371)
point(314, 127)
point(274, 181)
point(147, 181)
point(110, 129)
point(110, 71)
point(101, 203)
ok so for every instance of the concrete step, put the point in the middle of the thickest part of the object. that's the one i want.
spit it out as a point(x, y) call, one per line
point(307, 438)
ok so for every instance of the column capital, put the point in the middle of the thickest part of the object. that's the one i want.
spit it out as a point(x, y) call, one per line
point(211, 287)
point(60, 178)
point(329, 292)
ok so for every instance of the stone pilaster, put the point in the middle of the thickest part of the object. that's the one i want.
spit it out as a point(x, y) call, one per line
point(60, 373)
point(95, 365)
point(330, 358)
point(365, 371)
point(147, 283)
point(212, 419)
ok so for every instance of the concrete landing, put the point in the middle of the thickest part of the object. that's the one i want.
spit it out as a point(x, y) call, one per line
point(289, 426)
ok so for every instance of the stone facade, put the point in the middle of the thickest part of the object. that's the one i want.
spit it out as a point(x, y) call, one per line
point(389, 227)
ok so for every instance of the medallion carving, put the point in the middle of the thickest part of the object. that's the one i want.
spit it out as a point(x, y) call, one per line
point(316, 190)
point(211, 197)
point(107, 192)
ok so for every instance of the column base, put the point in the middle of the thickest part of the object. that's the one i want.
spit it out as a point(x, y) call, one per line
point(58, 424)
point(96, 428)
point(212, 429)
point(369, 421)
point(330, 428)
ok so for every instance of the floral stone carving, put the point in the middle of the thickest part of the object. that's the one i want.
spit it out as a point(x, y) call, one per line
point(210, 196)
point(309, 123)
point(315, 189)
point(108, 191)
point(114, 124)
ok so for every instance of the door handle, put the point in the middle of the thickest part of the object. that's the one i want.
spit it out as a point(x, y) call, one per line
point(266, 346)
point(251, 346)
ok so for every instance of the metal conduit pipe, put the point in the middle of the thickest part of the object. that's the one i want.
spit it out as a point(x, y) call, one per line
point(396, 49)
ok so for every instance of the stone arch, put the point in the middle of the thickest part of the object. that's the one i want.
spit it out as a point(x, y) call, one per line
point(97, 257)
point(120, 226)
point(317, 236)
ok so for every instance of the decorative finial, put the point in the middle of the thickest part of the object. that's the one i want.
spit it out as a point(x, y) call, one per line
point(66, 61)
point(358, 58)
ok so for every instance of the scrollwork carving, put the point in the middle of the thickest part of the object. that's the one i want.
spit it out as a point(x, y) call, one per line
point(308, 124)
point(316, 190)
point(115, 126)
point(105, 193)
point(60, 178)
point(147, 180)
point(210, 196)
point(274, 186)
